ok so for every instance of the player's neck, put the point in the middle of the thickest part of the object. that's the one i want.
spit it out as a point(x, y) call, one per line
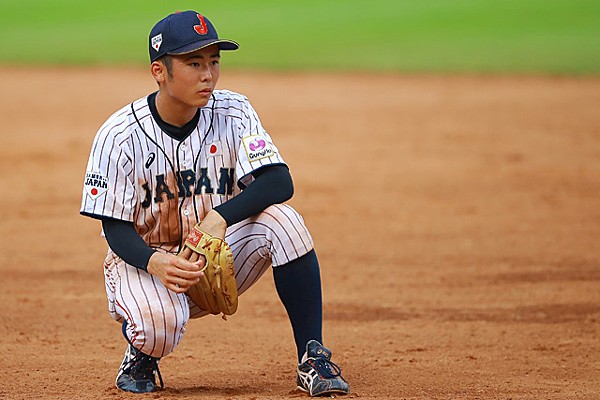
point(174, 112)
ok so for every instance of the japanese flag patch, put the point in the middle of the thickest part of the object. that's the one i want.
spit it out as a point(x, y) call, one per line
point(156, 41)
point(214, 149)
point(95, 184)
point(257, 147)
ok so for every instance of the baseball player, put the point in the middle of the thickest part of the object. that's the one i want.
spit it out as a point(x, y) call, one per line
point(189, 154)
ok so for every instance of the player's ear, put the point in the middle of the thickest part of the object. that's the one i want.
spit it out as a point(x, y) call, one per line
point(158, 71)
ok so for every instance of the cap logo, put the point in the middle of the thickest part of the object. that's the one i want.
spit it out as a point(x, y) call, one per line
point(156, 41)
point(201, 29)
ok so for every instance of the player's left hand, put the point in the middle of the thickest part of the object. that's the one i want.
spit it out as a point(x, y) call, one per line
point(213, 224)
point(216, 291)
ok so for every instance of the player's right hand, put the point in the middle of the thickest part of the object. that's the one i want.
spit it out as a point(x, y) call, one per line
point(176, 273)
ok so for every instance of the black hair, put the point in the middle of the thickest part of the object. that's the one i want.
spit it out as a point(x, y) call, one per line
point(168, 63)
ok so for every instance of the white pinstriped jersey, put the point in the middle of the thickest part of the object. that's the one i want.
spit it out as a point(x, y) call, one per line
point(131, 175)
point(138, 173)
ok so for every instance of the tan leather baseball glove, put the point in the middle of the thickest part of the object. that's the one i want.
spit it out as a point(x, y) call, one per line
point(216, 292)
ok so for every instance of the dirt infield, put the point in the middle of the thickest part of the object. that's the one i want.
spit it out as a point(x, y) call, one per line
point(457, 220)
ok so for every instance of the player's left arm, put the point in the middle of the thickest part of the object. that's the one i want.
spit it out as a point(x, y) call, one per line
point(272, 184)
point(265, 178)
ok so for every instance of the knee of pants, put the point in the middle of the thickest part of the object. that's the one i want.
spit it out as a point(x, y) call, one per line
point(285, 232)
point(157, 333)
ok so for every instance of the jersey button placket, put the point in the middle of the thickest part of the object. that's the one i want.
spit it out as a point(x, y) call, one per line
point(183, 148)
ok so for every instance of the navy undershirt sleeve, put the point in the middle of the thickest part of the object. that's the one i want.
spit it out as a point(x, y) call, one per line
point(272, 185)
point(124, 240)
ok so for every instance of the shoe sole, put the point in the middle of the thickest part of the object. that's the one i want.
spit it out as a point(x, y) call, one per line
point(324, 393)
point(301, 388)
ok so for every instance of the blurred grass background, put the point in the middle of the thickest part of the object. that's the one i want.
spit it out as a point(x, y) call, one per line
point(484, 36)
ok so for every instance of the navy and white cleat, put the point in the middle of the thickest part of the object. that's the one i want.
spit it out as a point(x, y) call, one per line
point(138, 372)
point(318, 375)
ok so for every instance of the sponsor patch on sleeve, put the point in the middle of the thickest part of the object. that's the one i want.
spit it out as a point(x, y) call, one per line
point(95, 184)
point(257, 147)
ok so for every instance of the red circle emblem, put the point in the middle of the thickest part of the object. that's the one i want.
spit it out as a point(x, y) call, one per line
point(94, 191)
point(213, 149)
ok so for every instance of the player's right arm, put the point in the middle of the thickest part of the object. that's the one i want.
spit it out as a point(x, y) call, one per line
point(176, 273)
point(110, 195)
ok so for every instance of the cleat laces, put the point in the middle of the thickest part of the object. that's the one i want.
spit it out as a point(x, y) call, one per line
point(325, 368)
point(143, 366)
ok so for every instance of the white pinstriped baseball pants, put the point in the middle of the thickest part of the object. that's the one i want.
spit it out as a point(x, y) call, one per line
point(157, 318)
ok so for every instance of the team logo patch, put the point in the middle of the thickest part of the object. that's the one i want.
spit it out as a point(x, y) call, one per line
point(201, 29)
point(156, 41)
point(214, 149)
point(95, 184)
point(257, 147)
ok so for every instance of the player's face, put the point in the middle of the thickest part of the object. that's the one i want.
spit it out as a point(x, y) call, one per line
point(193, 77)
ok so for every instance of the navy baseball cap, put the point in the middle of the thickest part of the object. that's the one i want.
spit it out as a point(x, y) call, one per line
point(185, 32)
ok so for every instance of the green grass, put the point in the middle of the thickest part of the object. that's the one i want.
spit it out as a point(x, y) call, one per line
point(547, 36)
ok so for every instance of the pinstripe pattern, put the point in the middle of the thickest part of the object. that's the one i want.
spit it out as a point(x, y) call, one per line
point(165, 186)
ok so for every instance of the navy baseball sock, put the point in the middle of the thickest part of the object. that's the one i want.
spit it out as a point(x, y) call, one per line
point(298, 285)
point(124, 331)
